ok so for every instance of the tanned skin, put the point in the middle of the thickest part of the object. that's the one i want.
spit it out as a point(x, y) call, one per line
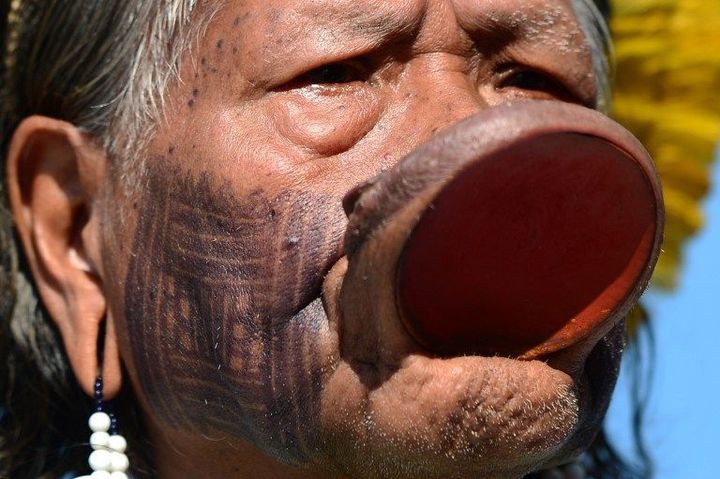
point(226, 264)
point(235, 327)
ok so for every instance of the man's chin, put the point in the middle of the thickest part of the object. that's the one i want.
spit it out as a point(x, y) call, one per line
point(392, 410)
point(402, 413)
point(447, 418)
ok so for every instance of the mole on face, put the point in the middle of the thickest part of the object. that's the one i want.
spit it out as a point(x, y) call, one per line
point(223, 311)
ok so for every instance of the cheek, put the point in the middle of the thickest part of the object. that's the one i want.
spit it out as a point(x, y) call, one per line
point(221, 306)
point(323, 121)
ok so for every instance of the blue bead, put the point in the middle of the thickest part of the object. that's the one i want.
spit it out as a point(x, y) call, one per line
point(113, 425)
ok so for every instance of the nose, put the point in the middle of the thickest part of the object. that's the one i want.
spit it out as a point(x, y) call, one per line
point(517, 232)
point(439, 92)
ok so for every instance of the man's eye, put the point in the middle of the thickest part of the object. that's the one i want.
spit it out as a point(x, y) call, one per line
point(534, 81)
point(334, 73)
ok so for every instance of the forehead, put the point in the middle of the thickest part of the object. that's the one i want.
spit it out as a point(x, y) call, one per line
point(272, 39)
point(358, 9)
point(293, 19)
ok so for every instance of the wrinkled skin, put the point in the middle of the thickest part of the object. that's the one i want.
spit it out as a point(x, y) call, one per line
point(228, 283)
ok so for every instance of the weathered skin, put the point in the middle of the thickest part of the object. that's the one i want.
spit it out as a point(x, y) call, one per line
point(227, 301)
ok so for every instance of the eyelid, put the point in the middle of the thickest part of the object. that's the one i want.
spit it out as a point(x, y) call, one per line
point(300, 80)
point(508, 70)
point(564, 88)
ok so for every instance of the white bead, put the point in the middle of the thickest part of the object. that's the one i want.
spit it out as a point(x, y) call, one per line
point(100, 475)
point(119, 462)
point(100, 460)
point(99, 422)
point(117, 443)
point(99, 440)
point(118, 475)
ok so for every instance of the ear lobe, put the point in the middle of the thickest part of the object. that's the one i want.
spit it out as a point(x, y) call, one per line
point(54, 178)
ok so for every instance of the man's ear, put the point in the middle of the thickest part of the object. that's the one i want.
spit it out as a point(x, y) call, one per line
point(55, 175)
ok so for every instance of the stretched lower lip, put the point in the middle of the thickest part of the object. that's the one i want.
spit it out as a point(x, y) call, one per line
point(533, 248)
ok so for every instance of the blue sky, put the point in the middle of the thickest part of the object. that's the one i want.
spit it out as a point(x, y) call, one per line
point(683, 418)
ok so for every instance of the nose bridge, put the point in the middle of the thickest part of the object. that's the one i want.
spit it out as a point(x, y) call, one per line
point(444, 92)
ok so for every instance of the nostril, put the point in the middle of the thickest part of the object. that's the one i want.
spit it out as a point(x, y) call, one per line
point(351, 198)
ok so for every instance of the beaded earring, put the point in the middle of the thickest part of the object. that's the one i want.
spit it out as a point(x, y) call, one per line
point(108, 459)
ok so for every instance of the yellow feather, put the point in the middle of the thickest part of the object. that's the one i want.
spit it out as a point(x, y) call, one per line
point(667, 93)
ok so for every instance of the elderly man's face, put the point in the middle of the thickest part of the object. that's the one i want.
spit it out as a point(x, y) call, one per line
point(284, 107)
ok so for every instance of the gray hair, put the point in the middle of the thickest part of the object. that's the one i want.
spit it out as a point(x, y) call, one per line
point(597, 34)
point(104, 66)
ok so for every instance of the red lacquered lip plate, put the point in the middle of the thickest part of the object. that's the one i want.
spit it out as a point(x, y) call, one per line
point(533, 246)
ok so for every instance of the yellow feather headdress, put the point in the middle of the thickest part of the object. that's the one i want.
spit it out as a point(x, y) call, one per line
point(667, 92)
